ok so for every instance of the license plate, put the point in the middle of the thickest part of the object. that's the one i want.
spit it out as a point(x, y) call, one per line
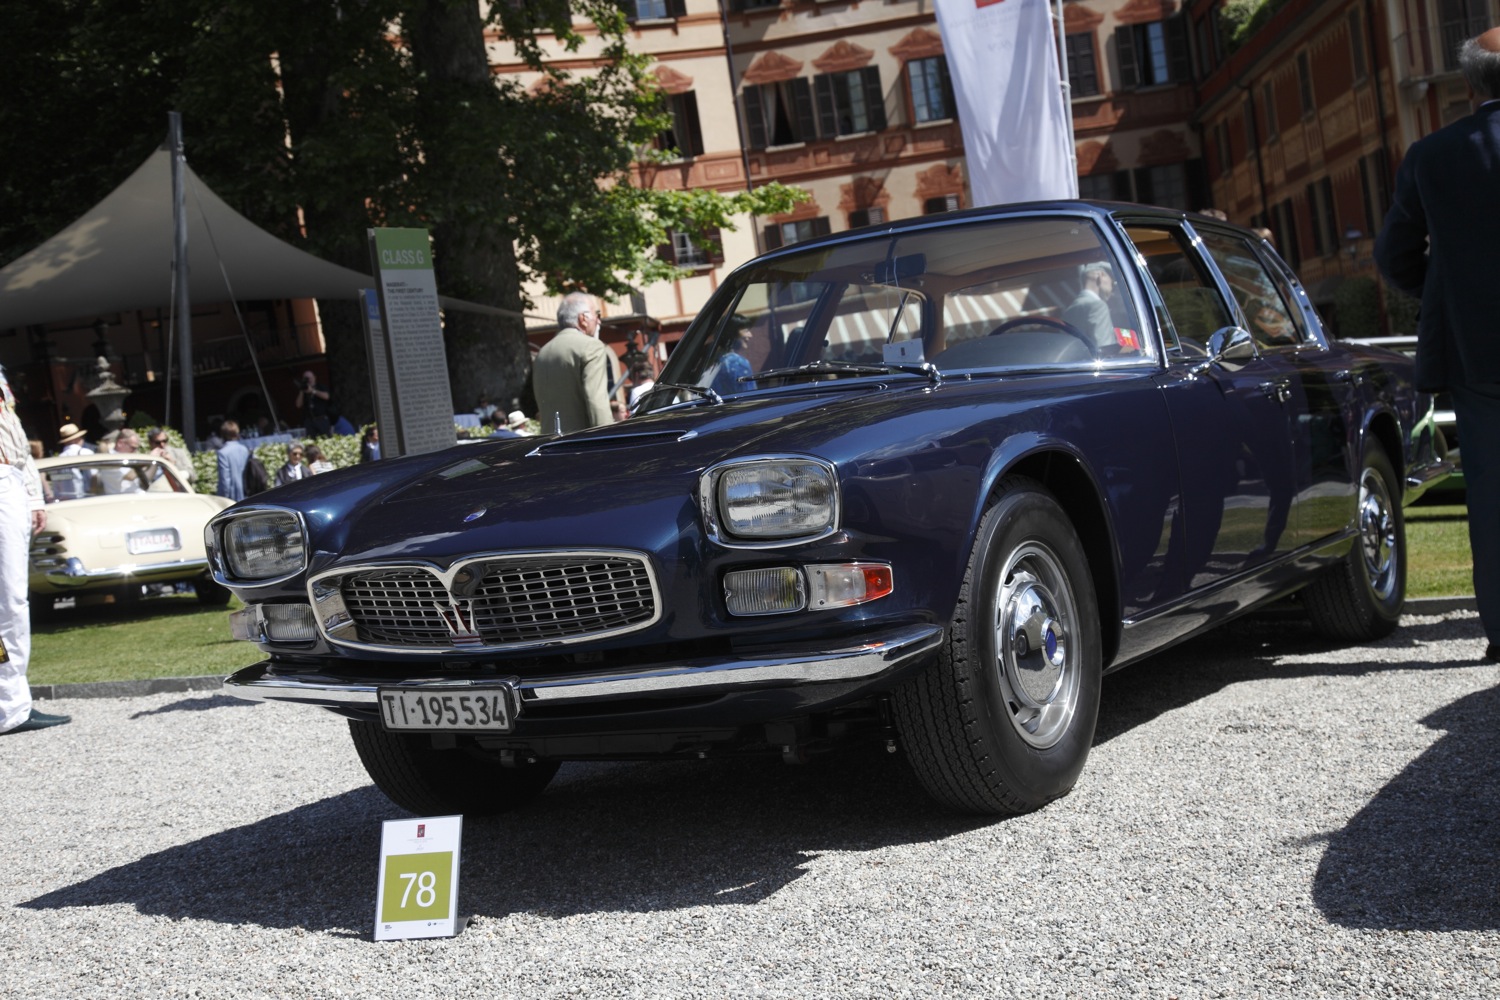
point(153, 540)
point(485, 709)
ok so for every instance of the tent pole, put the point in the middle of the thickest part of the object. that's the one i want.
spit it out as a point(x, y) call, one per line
point(180, 269)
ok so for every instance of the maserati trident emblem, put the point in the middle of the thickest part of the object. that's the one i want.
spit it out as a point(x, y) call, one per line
point(459, 617)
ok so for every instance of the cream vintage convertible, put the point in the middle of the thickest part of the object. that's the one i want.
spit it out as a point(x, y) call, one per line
point(116, 523)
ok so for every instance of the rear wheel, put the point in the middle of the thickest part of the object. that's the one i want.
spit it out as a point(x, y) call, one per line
point(427, 781)
point(1003, 721)
point(1361, 598)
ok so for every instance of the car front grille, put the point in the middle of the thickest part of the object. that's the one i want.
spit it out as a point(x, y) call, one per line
point(499, 602)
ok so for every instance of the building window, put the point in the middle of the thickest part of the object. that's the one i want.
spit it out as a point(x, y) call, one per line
point(1325, 223)
point(1097, 187)
point(685, 251)
point(849, 103)
point(684, 136)
point(1252, 144)
point(779, 114)
point(1165, 186)
point(1221, 146)
point(1083, 69)
point(1268, 101)
point(1152, 54)
point(1459, 20)
point(931, 89)
point(653, 10)
point(786, 233)
point(945, 203)
point(1284, 227)
point(1357, 44)
point(866, 217)
point(1304, 83)
point(1374, 185)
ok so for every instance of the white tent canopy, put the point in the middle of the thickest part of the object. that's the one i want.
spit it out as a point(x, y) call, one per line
point(118, 257)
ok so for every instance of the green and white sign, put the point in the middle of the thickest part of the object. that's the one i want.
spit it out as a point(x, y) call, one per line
point(409, 359)
point(417, 893)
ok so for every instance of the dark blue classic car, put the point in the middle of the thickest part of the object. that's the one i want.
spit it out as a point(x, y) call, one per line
point(923, 483)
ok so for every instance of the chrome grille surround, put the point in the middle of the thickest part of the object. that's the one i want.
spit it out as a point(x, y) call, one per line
point(487, 602)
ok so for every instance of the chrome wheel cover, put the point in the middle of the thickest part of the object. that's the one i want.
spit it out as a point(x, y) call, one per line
point(1037, 660)
point(1377, 534)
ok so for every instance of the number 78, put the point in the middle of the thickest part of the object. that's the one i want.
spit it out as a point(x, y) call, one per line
point(425, 884)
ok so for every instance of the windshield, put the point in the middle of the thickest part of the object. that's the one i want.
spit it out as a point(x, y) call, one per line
point(107, 478)
point(1029, 292)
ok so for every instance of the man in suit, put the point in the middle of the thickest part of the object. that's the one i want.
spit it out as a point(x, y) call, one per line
point(574, 370)
point(1440, 242)
point(232, 459)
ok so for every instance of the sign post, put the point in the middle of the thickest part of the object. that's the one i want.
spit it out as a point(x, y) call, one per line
point(410, 356)
point(417, 893)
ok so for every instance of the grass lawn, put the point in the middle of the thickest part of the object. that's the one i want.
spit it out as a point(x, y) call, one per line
point(156, 637)
point(177, 637)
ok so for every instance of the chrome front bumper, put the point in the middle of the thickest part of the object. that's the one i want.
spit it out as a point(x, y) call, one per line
point(877, 654)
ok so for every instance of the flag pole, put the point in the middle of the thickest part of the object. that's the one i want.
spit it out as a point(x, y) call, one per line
point(180, 268)
point(1067, 92)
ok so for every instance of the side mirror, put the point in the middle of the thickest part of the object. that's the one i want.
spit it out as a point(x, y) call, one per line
point(1230, 347)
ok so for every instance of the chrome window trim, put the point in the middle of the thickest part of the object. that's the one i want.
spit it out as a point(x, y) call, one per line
point(446, 575)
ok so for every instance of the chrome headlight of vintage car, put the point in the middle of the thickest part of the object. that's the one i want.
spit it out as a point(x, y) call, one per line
point(258, 546)
point(765, 502)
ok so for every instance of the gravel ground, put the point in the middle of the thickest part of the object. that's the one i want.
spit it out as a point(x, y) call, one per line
point(1262, 816)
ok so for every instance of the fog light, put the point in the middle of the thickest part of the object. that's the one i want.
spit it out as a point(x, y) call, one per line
point(290, 623)
point(245, 624)
point(764, 591)
point(838, 585)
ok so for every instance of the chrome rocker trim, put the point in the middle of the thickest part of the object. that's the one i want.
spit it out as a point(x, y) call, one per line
point(879, 653)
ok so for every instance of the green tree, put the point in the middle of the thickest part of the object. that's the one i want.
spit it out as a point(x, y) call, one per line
point(318, 119)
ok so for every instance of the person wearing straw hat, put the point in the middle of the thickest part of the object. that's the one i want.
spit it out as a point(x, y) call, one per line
point(70, 441)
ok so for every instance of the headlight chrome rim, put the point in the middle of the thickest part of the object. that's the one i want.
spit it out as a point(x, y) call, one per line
point(714, 519)
point(215, 537)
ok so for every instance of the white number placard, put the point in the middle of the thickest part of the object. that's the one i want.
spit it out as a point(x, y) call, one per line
point(417, 892)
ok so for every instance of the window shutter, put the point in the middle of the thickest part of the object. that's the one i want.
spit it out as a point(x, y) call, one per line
point(676, 8)
point(802, 102)
point(950, 105)
point(820, 226)
point(714, 247)
point(1130, 74)
point(828, 119)
point(773, 236)
point(665, 251)
point(755, 118)
point(1178, 57)
point(874, 96)
point(689, 133)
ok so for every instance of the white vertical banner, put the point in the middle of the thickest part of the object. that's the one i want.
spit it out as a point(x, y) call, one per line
point(1002, 57)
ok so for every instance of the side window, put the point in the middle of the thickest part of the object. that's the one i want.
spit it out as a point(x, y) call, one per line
point(1268, 315)
point(1190, 307)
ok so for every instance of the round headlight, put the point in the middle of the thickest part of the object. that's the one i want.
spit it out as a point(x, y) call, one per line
point(776, 499)
point(263, 546)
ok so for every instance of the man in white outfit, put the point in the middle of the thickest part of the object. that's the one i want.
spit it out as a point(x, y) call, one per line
point(22, 514)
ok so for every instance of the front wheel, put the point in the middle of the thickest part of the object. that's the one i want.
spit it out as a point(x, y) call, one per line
point(210, 592)
point(427, 781)
point(1361, 598)
point(1003, 721)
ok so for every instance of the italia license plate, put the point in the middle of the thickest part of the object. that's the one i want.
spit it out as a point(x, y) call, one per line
point(153, 540)
point(486, 709)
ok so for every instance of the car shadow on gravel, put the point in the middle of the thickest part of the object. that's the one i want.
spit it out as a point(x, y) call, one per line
point(1424, 855)
point(627, 837)
point(1253, 648)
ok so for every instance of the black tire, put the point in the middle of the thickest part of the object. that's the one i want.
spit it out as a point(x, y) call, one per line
point(430, 782)
point(1361, 598)
point(210, 592)
point(994, 730)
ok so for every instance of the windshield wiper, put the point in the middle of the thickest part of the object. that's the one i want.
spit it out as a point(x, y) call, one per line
point(926, 369)
point(701, 390)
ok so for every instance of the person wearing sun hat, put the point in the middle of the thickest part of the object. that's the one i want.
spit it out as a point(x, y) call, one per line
point(70, 441)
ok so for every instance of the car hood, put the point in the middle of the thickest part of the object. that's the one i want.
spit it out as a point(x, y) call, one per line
point(629, 485)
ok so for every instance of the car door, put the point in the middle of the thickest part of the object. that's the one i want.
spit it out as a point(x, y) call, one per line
point(1229, 422)
point(1317, 394)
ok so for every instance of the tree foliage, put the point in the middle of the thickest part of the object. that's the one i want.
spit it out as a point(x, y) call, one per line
point(318, 119)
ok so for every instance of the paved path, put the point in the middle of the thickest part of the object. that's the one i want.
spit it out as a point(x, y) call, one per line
point(1262, 816)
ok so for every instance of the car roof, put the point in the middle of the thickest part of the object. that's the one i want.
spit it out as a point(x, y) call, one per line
point(106, 458)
